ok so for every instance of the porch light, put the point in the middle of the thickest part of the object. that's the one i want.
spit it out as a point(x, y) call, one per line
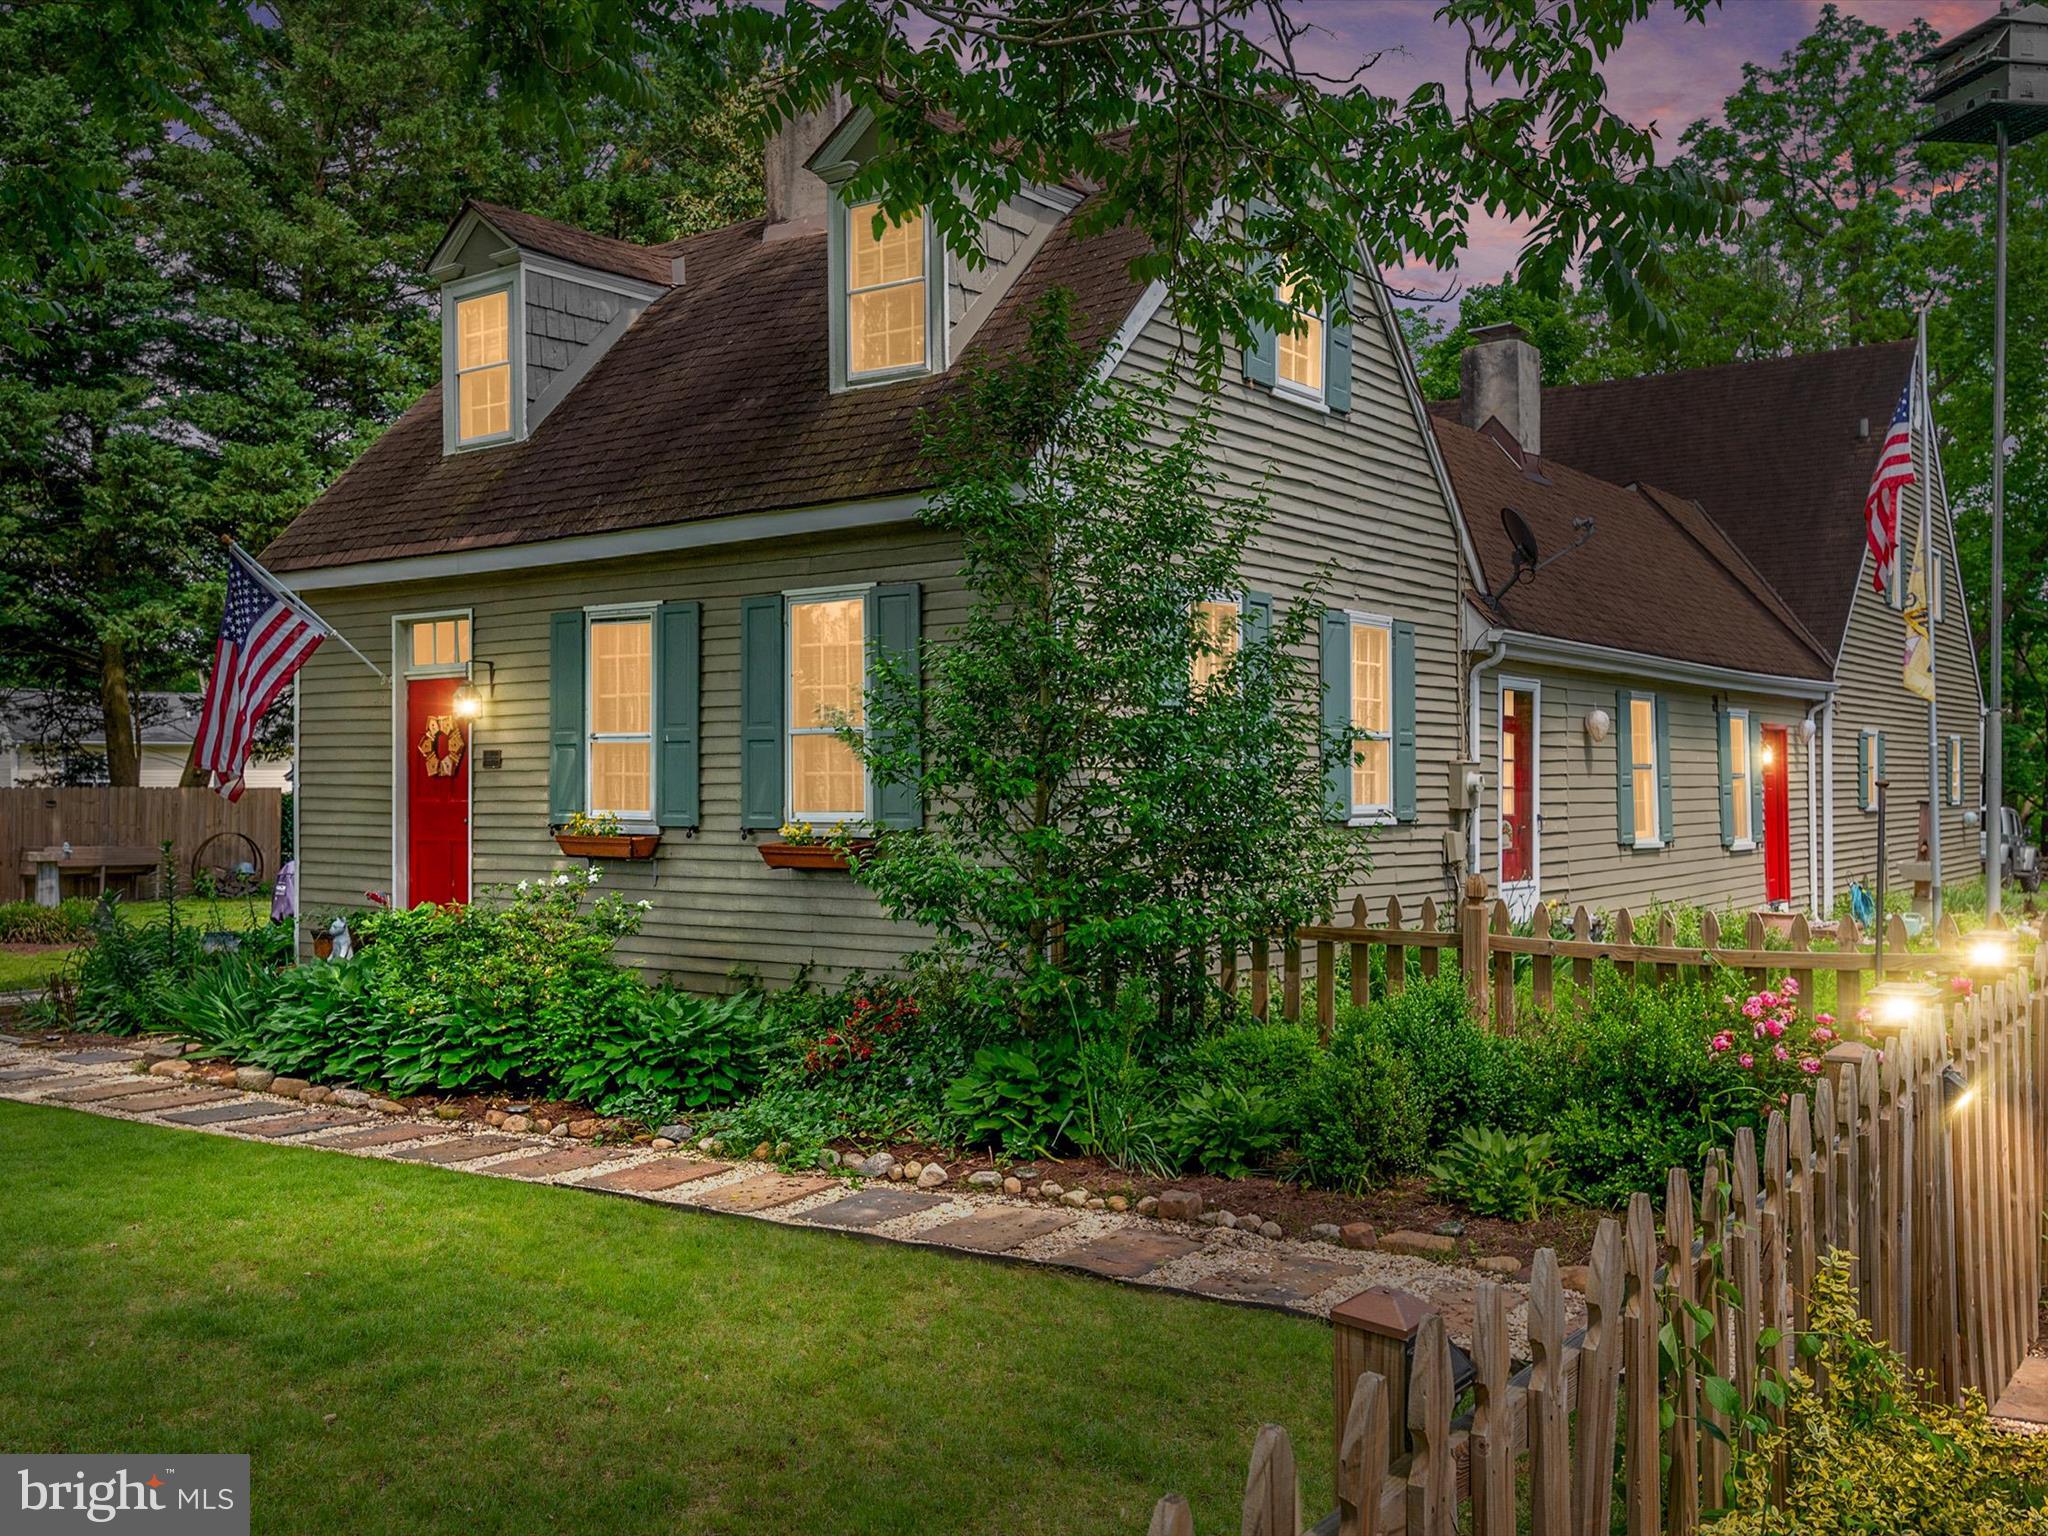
point(469, 702)
point(1896, 1006)
point(1990, 950)
point(1770, 754)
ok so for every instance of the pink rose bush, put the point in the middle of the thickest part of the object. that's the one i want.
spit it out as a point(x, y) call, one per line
point(1766, 1035)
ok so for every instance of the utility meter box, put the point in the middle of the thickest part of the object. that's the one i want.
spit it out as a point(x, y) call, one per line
point(1464, 784)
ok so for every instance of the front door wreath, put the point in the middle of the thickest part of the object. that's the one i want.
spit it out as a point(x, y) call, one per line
point(441, 746)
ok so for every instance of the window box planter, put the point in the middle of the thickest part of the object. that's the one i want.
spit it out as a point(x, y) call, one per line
point(618, 845)
point(809, 855)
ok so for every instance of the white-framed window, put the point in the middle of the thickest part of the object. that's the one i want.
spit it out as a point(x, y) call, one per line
point(1372, 717)
point(619, 733)
point(1740, 776)
point(1298, 362)
point(826, 648)
point(483, 361)
point(1953, 774)
point(437, 645)
point(1642, 736)
point(887, 302)
point(1219, 630)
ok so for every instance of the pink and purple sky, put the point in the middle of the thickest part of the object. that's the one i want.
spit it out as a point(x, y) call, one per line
point(1668, 73)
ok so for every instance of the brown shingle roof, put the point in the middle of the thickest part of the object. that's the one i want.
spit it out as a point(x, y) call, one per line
point(1770, 448)
point(1656, 578)
point(714, 402)
point(601, 253)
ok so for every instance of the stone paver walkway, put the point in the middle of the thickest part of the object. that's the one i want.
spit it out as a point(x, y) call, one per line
point(1218, 1262)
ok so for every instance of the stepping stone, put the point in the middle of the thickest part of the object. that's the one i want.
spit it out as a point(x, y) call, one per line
point(545, 1165)
point(98, 1054)
point(998, 1230)
point(872, 1207)
point(650, 1178)
point(1290, 1281)
point(466, 1149)
point(220, 1114)
point(765, 1192)
point(24, 1074)
point(124, 1088)
point(298, 1123)
point(176, 1098)
point(380, 1136)
point(1127, 1255)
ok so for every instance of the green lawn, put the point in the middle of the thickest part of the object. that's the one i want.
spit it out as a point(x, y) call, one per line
point(22, 972)
point(403, 1348)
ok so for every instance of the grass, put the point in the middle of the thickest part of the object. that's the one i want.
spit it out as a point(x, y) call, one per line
point(403, 1348)
point(21, 972)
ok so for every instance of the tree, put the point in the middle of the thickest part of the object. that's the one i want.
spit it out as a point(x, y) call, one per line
point(1094, 813)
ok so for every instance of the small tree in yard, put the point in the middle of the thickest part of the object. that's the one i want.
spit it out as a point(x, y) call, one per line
point(1094, 811)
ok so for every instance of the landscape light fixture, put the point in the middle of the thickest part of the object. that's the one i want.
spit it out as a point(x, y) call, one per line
point(1956, 1089)
point(1896, 1006)
point(1991, 87)
point(1990, 950)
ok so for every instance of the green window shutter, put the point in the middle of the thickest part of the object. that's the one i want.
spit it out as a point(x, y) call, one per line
point(1863, 770)
point(677, 628)
point(1337, 366)
point(1665, 829)
point(1756, 781)
point(565, 715)
point(1337, 738)
point(1256, 609)
point(760, 712)
point(1721, 719)
point(894, 618)
point(1404, 720)
point(1261, 353)
point(1624, 770)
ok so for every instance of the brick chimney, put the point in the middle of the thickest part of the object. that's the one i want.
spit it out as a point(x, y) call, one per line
point(1501, 376)
point(796, 197)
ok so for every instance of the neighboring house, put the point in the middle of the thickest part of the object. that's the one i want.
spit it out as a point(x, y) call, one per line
point(1724, 600)
point(36, 749)
point(666, 498)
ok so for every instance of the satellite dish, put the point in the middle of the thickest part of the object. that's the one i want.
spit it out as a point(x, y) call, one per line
point(1522, 537)
point(1527, 556)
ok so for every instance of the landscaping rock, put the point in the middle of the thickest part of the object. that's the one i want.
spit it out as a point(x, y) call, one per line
point(895, 1173)
point(913, 1169)
point(763, 1152)
point(677, 1133)
point(494, 1117)
point(932, 1175)
point(353, 1098)
point(661, 1144)
point(1449, 1229)
point(879, 1165)
point(1210, 1218)
point(827, 1158)
point(447, 1111)
point(1013, 1185)
point(254, 1079)
point(1147, 1204)
point(171, 1069)
point(315, 1094)
point(1097, 1203)
point(1270, 1229)
point(385, 1106)
point(1179, 1205)
point(1326, 1232)
point(162, 1051)
point(1050, 1190)
point(1077, 1198)
point(1498, 1264)
point(1226, 1219)
point(1421, 1245)
point(290, 1087)
point(585, 1130)
point(1251, 1220)
point(1359, 1234)
point(515, 1124)
point(562, 1130)
point(706, 1143)
point(1576, 1277)
point(519, 1109)
point(985, 1178)
point(1118, 1203)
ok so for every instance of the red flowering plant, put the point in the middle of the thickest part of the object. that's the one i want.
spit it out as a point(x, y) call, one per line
point(874, 1018)
point(1769, 1049)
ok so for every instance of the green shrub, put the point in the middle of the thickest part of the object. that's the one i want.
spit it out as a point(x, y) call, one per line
point(1462, 1072)
point(1018, 1096)
point(667, 1051)
point(1228, 1130)
point(1357, 1118)
point(23, 922)
point(1278, 1057)
point(1498, 1173)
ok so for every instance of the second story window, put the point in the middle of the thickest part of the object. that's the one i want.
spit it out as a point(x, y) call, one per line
point(483, 366)
point(1300, 363)
point(885, 293)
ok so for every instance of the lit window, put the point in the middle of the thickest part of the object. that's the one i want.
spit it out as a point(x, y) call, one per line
point(440, 643)
point(1955, 770)
point(1642, 734)
point(1372, 762)
point(483, 366)
point(1216, 637)
point(1738, 774)
point(1873, 763)
point(1301, 349)
point(885, 292)
point(621, 716)
point(827, 679)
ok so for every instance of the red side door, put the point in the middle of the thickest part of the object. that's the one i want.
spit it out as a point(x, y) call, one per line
point(1777, 818)
point(437, 793)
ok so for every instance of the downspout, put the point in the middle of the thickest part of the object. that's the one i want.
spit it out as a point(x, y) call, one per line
point(1812, 817)
point(1827, 806)
point(1486, 664)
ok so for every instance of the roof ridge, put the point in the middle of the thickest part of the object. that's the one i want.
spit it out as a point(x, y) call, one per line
point(1727, 367)
point(1752, 580)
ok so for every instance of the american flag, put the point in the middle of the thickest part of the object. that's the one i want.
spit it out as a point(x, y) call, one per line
point(1881, 506)
point(265, 636)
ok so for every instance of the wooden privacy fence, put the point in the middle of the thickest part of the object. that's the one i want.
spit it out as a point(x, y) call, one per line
point(122, 830)
point(1483, 947)
point(1932, 1186)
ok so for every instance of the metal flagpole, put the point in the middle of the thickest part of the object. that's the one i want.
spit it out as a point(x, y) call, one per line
point(281, 590)
point(1930, 577)
point(1994, 738)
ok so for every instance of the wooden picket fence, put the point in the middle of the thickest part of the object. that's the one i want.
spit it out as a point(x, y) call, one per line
point(1481, 944)
point(1932, 1188)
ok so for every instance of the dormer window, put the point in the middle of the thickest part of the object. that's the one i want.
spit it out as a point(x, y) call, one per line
point(483, 362)
point(1300, 363)
point(887, 291)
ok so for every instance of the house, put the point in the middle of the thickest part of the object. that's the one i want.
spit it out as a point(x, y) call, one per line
point(1697, 703)
point(35, 728)
point(666, 498)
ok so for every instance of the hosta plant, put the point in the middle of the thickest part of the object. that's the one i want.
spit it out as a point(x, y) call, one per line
point(1498, 1173)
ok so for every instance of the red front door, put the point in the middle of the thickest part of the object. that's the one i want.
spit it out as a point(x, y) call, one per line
point(1777, 819)
point(1517, 785)
point(437, 793)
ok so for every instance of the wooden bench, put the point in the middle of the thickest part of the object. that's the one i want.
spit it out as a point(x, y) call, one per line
point(46, 865)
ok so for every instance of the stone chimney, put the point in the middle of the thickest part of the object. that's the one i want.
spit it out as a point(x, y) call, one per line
point(1501, 376)
point(796, 197)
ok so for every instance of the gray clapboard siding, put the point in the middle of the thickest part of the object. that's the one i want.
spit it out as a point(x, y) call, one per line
point(1582, 860)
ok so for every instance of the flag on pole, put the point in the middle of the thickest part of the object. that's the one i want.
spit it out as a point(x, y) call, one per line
point(266, 634)
point(1919, 668)
point(1919, 660)
point(1881, 506)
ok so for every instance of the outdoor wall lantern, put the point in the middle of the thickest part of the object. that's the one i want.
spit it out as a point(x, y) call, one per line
point(469, 699)
point(1597, 725)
